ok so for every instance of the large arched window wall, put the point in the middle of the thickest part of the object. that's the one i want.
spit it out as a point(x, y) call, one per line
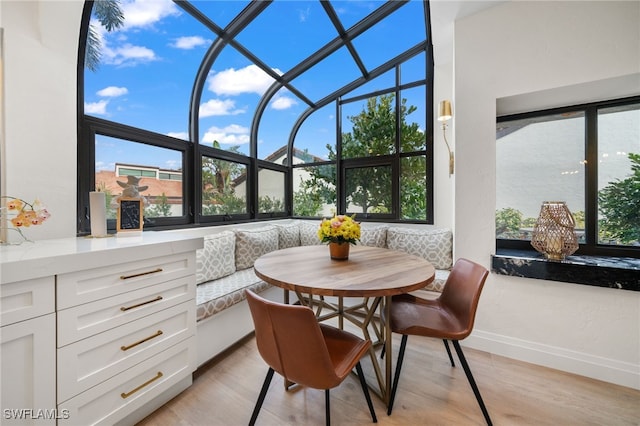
point(278, 145)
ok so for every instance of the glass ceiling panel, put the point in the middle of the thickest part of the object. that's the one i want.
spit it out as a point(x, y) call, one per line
point(229, 99)
point(315, 133)
point(144, 64)
point(220, 12)
point(351, 12)
point(327, 76)
point(276, 123)
point(395, 34)
point(414, 69)
point(287, 32)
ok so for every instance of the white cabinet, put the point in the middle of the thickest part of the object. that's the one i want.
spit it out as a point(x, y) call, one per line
point(96, 331)
point(27, 352)
point(126, 334)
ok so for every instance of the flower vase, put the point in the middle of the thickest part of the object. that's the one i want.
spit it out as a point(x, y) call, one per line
point(339, 251)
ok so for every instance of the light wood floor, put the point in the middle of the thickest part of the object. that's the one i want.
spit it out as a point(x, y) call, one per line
point(430, 392)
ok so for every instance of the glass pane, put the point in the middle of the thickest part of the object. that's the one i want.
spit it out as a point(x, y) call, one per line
point(159, 170)
point(316, 137)
point(395, 34)
point(224, 187)
point(413, 113)
point(276, 124)
point(369, 127)
point(298, 29)
point(414, 69)
point(229, 101)
point(221, 12)
point(368, 190)
point(140, 78)
point(270, 191)
point(384, 82)
point(314, 191)
point(538, 159)
point(413, 188)
point(619, 175)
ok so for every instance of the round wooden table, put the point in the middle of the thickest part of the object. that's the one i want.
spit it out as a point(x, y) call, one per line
point(370, 272)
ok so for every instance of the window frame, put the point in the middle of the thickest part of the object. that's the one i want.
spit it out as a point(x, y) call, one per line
point(590, 247)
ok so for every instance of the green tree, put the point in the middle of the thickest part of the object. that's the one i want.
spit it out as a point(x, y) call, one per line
point(508, 222)
point(109, 14)
point(373, 134)
point(160, 208)
point(218, 190)
point(619, 204)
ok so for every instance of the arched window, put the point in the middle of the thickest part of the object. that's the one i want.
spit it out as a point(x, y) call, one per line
point(240, 111)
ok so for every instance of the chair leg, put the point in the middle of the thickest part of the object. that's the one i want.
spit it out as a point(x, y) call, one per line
point(446, 345)
point(472, 382)
point(327, 408)
point(394, 388)
point(263, 393)
point(365, 390)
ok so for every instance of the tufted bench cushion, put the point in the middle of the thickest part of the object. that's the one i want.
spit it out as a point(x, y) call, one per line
point(215, 296)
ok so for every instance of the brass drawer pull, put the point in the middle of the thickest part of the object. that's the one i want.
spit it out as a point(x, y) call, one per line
point(148, 382)
point(133, 345)
point(126, 308)
point(126, 277)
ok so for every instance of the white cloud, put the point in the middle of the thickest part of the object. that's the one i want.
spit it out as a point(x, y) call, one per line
point(231, 135)
point(219, 107)
point(179, 135)
point(99, 108)
point(189, 42)
point(173, 165)
point(127, 54)
point(303, 14)
point(283, 102)
point(250, 79)
point(112, 91)
point(145, 13)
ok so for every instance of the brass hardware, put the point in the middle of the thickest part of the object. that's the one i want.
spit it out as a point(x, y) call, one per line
point(148, 382)
point(126, 308)
point(133, 345)
point(126, 277)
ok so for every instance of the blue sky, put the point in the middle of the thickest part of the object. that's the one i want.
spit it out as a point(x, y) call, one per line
point(148, 68)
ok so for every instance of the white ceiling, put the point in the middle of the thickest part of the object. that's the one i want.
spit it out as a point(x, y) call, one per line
point(443, 14)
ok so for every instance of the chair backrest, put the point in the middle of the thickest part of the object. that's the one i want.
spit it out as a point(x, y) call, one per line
point(290, 341)
point(462, 292)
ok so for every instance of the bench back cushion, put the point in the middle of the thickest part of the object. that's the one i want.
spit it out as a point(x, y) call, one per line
point(309, 233)
point(288, 235)
point(435, 245)
point(374, 236)
point(253, 243)
point(217, 258)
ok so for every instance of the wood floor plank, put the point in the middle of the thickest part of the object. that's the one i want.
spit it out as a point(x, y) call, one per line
point(430, 392)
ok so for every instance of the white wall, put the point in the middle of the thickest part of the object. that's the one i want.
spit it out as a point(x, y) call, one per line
point(512, 49)
point(40, 60)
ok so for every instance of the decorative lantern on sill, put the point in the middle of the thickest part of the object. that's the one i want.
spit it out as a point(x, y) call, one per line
point(554, 232)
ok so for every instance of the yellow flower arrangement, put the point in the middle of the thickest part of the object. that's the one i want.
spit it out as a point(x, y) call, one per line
point(23, 214)
point(339, 229)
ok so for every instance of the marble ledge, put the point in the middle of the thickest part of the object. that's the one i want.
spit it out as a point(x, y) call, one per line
point(621, 273)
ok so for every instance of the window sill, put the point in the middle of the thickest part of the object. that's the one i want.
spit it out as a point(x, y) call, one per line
point(621, 273)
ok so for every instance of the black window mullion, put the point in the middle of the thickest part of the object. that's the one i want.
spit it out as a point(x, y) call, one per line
point(591, 178)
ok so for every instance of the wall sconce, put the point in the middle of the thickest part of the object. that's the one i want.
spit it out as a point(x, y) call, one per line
point(444, 115)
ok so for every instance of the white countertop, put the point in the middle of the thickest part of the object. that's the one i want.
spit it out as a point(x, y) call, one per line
point(31, 260)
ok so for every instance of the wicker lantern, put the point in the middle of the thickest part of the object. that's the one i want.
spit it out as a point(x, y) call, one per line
point(553, 233)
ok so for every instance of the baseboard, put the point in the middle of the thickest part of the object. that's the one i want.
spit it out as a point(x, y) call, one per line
point(600, 368)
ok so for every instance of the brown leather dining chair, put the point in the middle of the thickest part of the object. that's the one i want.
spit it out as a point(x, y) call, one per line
point(293, 343)
point(449, 317)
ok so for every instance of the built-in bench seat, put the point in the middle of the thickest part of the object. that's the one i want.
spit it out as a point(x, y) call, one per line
point(225, 270)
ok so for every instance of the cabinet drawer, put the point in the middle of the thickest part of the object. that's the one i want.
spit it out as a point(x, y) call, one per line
point(86, 286)
point(114, 399)
point(22, 300)
point(89, 319)
point(93, 360)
